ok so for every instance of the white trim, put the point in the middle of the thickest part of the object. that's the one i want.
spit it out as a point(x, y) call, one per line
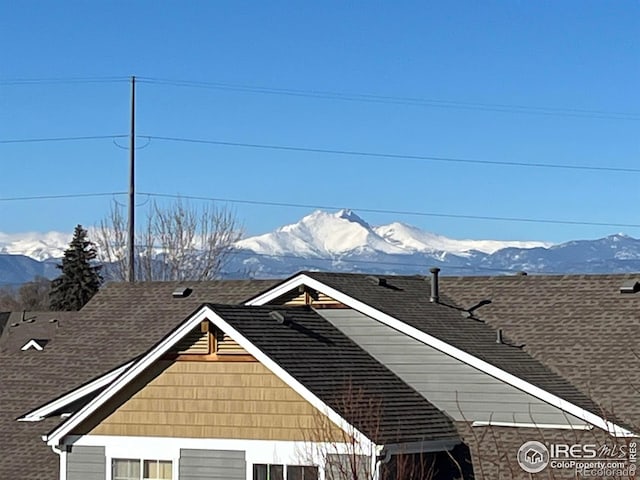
point(205, 313)
point(551, 426)
point(444, 347)
point(44, 411)
point(33, 343)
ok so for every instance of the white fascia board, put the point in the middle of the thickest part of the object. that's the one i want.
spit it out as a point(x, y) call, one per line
point(47, 409)
point(205, 313)
point(444, 347)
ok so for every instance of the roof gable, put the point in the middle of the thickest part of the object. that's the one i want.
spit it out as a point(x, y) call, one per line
point(403, 303)
point(239, 328)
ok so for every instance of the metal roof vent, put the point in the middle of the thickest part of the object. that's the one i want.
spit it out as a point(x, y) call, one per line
point(630, 286)
point(280, 317)
point(435, 291)
point(181, 292)
point(499, 337)
point(377, 280)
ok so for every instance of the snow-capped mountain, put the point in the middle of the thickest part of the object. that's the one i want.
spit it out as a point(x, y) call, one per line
point(342, 241)
point(39, 246)
point(323, 234)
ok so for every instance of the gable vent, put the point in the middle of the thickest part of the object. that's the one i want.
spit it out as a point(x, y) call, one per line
point(630, 286)
point(226, 345)
point(306, 296)
point(195, 343)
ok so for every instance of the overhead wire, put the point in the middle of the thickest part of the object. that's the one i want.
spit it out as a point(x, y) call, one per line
point(62, 80)
point(391, 99)
point(61, 139)
point(395, 156)
point(60, 196)
point(394, 212)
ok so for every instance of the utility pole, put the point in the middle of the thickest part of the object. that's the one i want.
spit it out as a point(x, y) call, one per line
point(132, 185)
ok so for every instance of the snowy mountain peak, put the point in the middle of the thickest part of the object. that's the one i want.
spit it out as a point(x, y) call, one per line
point(39, 246)
point(330, 235)
point(320, 234)
point(351, 216)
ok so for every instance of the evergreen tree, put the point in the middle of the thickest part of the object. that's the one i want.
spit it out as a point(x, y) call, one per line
point(79, 279)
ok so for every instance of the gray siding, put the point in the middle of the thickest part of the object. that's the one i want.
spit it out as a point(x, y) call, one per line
point(342, 466)
point(462, 391)
point(212, 465)
point(86, 463)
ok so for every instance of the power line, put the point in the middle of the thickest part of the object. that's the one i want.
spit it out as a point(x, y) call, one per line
point(394, 156)
point(328, 207)
point(60, 139)
point(56, 197)
point(61, 80)
point(399, 100)
point(396, 212)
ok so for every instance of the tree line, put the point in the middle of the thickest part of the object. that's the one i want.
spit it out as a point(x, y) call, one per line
point(174, 242)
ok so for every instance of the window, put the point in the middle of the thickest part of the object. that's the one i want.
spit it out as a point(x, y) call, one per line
point(262, 471)
point(136, 469)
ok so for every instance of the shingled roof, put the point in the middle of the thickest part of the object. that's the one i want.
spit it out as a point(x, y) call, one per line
point(25, 378)
point(345, 377)
point(407, 298)
point(581, 326)
point(120, 323)
point(123, 321)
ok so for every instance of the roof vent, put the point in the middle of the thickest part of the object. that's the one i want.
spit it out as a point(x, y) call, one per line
point(181, 292)
point(630, 286)
point(481, 303)
point(35, 344)
point(435, 291)
point(499, 338)
point(280, 317)
point(377, 280)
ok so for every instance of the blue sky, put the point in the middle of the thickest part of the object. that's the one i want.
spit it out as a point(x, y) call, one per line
point(573, 55)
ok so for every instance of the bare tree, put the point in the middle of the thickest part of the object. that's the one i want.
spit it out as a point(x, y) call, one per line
point(174, 242)
point(347, 456)
point(31, 296)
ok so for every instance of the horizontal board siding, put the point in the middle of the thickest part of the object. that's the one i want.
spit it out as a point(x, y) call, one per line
point(86, 463)
point(241, 400)
point(212, 465)
point(462, 391)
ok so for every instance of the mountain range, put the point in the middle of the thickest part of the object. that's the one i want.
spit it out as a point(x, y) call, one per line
point(343, 241)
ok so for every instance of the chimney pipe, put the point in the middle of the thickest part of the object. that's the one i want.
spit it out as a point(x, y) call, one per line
point(435, 293)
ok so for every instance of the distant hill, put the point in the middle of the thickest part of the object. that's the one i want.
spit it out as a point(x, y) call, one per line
point(343, 241)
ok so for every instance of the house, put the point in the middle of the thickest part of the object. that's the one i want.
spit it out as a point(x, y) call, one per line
point(87, 350)
point(509, 359)
point(485, 364)
point(236, 390)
